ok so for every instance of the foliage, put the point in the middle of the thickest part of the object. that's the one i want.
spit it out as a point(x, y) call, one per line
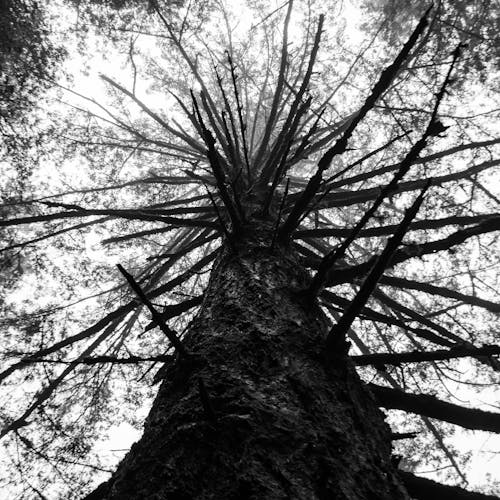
point(109, 16)
point(475, 23)
point(28, 61)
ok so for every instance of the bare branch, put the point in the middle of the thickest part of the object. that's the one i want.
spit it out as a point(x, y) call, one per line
point(157, 317)
point(384, 358)
point(442, 291)
point(339, 232)
point(430, 406)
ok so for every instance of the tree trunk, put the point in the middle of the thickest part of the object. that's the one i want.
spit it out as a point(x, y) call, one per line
point(259, 411)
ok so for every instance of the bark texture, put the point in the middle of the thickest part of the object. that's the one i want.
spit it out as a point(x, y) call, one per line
point(259, 412)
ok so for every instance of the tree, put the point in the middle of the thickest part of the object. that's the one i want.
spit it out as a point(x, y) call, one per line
point(28, 60)
point(474, 23)
point(259, 396)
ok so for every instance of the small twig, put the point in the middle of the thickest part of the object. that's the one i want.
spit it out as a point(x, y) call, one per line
point(101, 359)
point(364, 158)
point(132, 62)
point(228, 235)
point(396, 436)
point(278, 218)
point(236, 145)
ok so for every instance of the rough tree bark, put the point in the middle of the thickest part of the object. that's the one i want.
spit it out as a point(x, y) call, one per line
point(273, 416)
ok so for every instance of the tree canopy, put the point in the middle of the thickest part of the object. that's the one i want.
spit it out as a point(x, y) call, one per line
point(374, 155)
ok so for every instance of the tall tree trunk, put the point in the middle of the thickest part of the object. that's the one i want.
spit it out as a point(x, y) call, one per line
point(273, 417)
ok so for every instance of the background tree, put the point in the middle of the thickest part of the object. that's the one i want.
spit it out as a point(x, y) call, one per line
point(474, 23)
point(259, 175)
point(28, 60)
